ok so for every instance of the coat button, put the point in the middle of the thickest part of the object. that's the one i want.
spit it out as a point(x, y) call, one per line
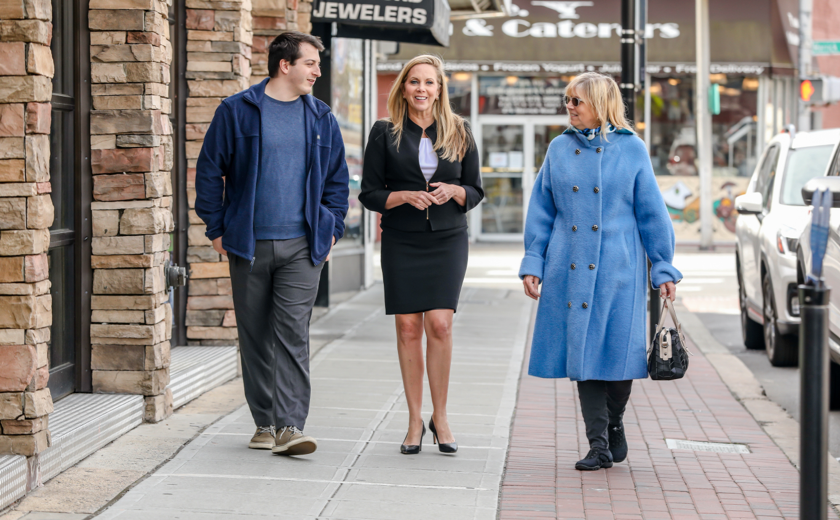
point(591, 267)
point(597, 189)
point(574, 267)
point(595, 227)
point(570, 305)
point(577, 151)
point(598, 150)
point(585, 305)
point(575, 189)
point(574, 228)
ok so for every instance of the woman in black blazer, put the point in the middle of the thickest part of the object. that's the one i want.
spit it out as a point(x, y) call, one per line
point(421, 172)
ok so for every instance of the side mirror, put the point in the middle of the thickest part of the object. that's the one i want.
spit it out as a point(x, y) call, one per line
point(749, 203)
point(832, 183)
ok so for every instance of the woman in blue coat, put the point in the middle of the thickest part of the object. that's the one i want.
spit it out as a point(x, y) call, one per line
point(595, 211)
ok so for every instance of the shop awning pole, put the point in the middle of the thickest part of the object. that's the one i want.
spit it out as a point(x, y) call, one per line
point(703, 120)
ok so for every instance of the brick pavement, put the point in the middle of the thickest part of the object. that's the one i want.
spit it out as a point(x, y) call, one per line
point(548, 437)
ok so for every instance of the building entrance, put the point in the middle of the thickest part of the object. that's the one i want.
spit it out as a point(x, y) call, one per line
point(512, 150)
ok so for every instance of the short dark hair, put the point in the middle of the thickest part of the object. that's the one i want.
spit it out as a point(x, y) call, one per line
point(287, 47)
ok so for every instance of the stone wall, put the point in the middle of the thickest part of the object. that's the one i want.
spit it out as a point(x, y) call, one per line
point(131, 160)
point(218, 65)
point(26, 213)
point(271, 18)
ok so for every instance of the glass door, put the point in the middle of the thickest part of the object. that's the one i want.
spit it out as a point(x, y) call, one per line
point(503, 163)
point(62, 270)
point(512, 151)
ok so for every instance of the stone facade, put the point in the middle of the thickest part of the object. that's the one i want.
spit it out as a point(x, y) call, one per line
point(26, 213)
point(271, 18)
point(218, 65)
point(224, 56)
point(131, 160)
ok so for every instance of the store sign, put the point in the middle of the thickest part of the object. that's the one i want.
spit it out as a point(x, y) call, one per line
point(410, 21)
point(558, 36)
point(517, 95)
point(521, 26)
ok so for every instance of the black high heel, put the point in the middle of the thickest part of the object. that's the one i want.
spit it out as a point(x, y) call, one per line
point(444, 447)
point(412, 449)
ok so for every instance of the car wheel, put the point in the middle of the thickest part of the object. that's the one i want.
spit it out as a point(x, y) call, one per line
point(751, 331)
point(782, 349)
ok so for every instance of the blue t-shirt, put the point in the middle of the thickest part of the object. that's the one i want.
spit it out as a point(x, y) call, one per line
point(281, 189)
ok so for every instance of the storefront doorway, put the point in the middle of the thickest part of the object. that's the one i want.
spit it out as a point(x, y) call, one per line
point(512, 150)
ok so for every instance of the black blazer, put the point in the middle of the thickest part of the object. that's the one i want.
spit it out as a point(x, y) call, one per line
point(387, 169)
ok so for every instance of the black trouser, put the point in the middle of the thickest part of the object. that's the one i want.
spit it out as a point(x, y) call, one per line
point(273, 302)
point(602, 404)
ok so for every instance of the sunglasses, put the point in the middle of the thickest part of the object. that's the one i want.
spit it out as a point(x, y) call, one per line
point(574, 101)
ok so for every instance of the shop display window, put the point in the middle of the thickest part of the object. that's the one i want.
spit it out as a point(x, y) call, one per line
point(734, 130)
point(347, 102)
point(459, 85)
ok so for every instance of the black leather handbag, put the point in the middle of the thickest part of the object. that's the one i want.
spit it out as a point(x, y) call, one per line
point(668, 355)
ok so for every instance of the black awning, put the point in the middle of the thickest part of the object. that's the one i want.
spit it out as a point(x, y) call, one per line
point(424, 22)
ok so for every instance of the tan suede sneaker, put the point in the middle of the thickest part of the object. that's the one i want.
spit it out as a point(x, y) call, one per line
point(263, 439)
point(291, 441)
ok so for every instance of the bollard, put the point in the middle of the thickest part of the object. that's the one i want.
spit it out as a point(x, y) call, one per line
point(813, 423)
point(813, 368)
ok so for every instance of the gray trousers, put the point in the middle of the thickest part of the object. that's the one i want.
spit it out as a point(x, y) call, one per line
point(602, 404)
point(273, 304)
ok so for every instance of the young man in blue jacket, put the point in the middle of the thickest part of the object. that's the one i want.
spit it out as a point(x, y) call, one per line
point(272, 186)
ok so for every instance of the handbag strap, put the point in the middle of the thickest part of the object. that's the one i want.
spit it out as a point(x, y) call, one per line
point(673, 314)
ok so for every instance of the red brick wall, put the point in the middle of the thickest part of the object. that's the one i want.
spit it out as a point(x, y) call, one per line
point(827, 27)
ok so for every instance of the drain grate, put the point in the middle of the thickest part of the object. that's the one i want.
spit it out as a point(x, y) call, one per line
point(713, 447)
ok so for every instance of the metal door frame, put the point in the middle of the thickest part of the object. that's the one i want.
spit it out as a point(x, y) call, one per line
point(529, 173)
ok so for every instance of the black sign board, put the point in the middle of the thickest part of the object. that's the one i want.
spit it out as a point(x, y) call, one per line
point(410, 21)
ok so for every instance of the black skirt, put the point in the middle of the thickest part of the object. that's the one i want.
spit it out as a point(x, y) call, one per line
point(425, 270)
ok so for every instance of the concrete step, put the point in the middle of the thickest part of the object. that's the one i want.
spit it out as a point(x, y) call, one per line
point(83, 423)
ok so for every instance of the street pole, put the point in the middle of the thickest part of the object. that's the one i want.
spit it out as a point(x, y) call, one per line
point(633, 70)
point(813, 364)
point(704, 122)
point(805, 44)
point(813, 426)
point(629, 18)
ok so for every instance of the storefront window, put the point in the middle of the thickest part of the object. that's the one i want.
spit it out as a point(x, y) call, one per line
point(520, 95)
point(347, 76)
point(674, 149)
point(503, 162)
point(673, 137)
point(460, 88)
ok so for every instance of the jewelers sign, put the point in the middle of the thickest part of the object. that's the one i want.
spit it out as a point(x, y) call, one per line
point(410, 21)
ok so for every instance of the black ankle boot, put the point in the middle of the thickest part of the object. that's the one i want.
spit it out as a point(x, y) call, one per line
point(618, 443)
point(597, 458)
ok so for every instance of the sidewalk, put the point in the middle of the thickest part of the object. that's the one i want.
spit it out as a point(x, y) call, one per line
point(519, 436)
point(655, 482)
point(359, 417)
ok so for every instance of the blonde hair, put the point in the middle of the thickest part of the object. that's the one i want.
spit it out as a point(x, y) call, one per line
point(603, 95)
point(453, 140)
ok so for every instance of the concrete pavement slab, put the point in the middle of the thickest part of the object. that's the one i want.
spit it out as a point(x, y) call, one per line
point(358, 414)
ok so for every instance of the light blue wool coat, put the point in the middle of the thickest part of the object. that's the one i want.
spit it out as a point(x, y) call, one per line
point(594, 212)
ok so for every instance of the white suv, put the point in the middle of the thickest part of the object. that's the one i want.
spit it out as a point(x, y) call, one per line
point(831, 267)
point(772, 216)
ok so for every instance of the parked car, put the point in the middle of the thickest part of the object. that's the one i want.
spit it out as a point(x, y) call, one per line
point(772, 216)
point(831, 266)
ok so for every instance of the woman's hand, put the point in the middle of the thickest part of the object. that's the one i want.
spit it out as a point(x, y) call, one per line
point(532, 286)
point(418, 199)
point(668, 290)
point(444, 192)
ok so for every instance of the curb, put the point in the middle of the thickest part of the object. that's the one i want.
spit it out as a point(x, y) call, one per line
point(773, 419)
